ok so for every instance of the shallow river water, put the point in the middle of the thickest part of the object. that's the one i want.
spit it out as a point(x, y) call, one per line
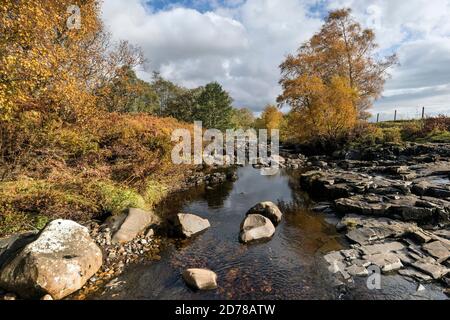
point(289, 266)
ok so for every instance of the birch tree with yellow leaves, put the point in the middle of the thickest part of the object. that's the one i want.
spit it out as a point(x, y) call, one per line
point(54, 55)
point(333, 79)
point(48, 64)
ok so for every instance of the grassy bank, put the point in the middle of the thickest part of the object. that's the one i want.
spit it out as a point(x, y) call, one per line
point(82, 173)
point(433, 130)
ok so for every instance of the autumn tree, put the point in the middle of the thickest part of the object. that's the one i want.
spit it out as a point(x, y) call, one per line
point(127, 93)
point(342, 48)
point(54, 55)
point(329, 113)
point(270, 119)
point(47, 64)
point(243, 118)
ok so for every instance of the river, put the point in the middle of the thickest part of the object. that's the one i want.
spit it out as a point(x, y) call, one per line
point(289, 266)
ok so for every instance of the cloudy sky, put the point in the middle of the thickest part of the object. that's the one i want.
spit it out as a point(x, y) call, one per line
point(240, 44)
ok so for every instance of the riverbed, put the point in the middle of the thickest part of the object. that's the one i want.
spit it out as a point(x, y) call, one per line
point(289, 266)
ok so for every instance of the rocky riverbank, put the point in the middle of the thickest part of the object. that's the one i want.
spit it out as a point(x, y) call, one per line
point(57, 251)
point(394, 206)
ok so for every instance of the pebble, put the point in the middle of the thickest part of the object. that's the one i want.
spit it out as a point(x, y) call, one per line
point(10, 297)
point(421, 288)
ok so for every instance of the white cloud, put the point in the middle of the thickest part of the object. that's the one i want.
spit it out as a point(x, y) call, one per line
point(419, 31)
point(241, 44)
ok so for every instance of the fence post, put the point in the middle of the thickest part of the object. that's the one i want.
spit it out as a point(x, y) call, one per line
point(395, 115)
point(423, 113)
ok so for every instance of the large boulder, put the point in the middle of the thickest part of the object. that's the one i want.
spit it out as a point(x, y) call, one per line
point(129, 225)
point(11, 246)
point(269, 210)
point(200, 279)
point(187, 225)
point(256, 227)
point(58, 263)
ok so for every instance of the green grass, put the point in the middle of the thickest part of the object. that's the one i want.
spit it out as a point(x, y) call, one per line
point(30, 204)
point(115, 199)
point(436, 137)
point(412, 131)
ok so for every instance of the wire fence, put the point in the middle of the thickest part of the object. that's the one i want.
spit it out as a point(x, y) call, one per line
point(410, 114)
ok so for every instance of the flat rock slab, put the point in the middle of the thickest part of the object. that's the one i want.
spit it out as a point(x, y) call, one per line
point(200, 279)
point(188, 225)
point(438, 249)
point(255, 228)
point(357, 271)
point(58, 263)
point(443, 233)
point(431, 267)
point(382, 248)
point(363, 236)
point(386, 261)
point(421, 236)
point(269, 210)
point(333, 256)
point(420, 276)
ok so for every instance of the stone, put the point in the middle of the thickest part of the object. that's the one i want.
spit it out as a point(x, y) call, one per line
point(361, 263)
point(11, 246)
point(320, 207)
point(386, 261)
point(383, 248)
point(188, 225)
point(339, 267)
point(269, 210)
point(411, 273)
point(420, 236)
point(416, 213)
point(126, 227)
point(421, 288)
point(443, 233)
point(277, 159)
point(200, 279)
point(59, 262)
point(359, 205)
point(438, 250)
point(405, 258)
point(350, 254)
point(333, 256)
point(415, 252)
point(10, 297)
point(431, 267)
point(150, 233)
point(362, 236)
point(357, 271)
point(256, 227)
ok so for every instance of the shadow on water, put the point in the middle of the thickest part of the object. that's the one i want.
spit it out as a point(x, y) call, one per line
point(290, 266)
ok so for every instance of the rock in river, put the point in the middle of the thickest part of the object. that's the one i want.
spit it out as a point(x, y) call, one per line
point(127, 226)
point(188, 225)
point(269, 210)
point(58, 263)
point(200, 279)
point(256, 227)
